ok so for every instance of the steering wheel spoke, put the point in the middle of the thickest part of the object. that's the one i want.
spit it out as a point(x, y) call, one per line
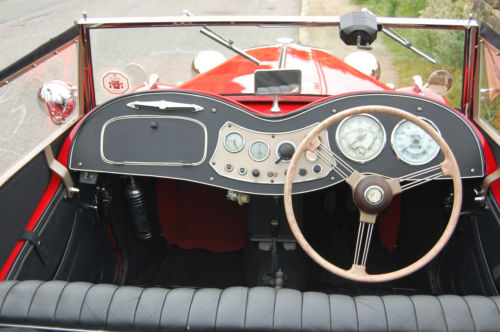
point(336, 163)
point(423, 176)
point(363, 239)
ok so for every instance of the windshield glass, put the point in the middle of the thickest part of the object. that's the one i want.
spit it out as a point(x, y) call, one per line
point(37, 105)
point(124, 59)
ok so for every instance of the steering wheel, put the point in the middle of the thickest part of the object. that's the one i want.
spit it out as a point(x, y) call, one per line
point(372, 194)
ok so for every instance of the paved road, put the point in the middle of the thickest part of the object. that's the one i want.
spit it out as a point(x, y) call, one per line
point(25, 24)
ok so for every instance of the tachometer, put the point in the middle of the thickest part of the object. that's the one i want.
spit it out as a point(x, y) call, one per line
point(259, 151)
point(234, 142)
point(412, 144)
point(360, 137)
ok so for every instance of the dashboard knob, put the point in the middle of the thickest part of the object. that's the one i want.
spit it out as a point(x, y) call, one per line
point(255, 172)
point(302, 172)
point(285, 151)
point(316, 168)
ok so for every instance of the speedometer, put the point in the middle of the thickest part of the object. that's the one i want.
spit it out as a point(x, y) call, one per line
point(360, 137)
point(412, 144)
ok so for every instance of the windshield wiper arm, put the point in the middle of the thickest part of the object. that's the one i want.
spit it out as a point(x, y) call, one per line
point(403, 41)
point(406, 43)
point(228, 43)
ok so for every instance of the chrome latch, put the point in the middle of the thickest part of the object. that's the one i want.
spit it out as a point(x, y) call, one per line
point(165, 105)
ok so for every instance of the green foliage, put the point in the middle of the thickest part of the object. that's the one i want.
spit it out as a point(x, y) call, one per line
point(396, 8)
point(445, 46)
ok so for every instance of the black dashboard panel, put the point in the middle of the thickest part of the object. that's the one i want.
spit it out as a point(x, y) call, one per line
point(187, 144)
point(131, 140)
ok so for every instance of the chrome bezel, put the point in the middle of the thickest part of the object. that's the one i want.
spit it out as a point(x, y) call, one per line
point(362, 161)
point(250, 151)
point(433, 125)
point(242, 139)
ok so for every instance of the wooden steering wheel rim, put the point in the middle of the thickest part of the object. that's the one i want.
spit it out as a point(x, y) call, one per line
point(449, 167)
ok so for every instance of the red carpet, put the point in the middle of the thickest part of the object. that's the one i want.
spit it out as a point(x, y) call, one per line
point(194, 216)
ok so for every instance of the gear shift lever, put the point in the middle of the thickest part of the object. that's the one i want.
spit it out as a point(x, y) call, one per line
point(274, 226)
point(276, 275)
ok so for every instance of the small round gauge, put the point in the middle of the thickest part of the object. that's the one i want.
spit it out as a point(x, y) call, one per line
point(234, 142)
point(360, 137)
point(259, 151)
point(412, 144)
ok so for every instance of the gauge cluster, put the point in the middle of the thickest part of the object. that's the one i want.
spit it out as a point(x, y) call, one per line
point(263, 157)
point(362, 138)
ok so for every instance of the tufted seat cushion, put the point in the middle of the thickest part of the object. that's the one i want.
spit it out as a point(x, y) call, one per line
point(81, 305)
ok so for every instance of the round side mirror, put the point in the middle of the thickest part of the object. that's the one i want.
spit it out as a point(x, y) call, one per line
point(440, 82)
point(59, 99)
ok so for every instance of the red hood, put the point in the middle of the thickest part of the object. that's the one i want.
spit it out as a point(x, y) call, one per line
point(322, 73)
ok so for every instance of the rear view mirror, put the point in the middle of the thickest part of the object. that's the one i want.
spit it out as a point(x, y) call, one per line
point(277, 81)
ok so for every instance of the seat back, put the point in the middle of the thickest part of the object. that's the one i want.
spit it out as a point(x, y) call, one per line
point(81, 305)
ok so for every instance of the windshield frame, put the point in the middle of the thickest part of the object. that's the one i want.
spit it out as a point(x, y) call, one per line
point(470, 28)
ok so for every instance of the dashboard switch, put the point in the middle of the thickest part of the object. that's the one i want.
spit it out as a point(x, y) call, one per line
point(302, 172)
point(285, 151)
point(255, 172)
point(317, 168)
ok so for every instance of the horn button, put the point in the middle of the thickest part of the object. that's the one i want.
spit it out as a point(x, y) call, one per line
point(372, 194)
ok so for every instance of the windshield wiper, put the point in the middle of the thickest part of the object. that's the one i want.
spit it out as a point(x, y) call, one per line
point(228, 43)
point(406, 43)
point(401, 40)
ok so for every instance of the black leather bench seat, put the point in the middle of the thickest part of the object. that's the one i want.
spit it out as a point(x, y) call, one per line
point(81, 305)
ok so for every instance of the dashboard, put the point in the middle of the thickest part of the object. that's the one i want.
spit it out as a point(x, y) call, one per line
point(211, 140)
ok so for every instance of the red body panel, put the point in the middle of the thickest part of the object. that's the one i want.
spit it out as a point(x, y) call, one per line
point(322, 73)
point(426, 92)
